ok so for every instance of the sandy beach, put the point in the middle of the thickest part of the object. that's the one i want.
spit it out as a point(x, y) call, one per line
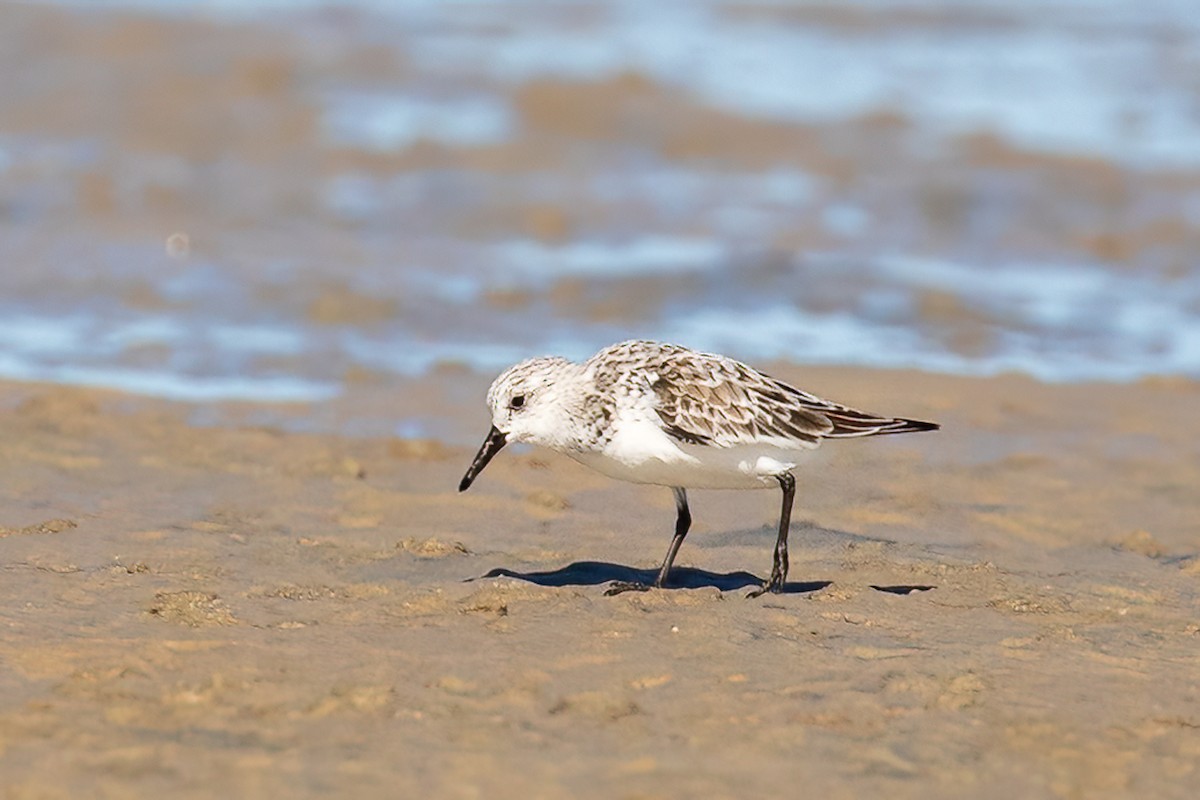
point(259, 262)
point(1005, 608)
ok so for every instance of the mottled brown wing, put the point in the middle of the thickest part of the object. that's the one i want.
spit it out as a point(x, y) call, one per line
point(707, 399)
point(712, 400)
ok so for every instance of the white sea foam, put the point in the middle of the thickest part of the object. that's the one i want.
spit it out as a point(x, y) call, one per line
point(1058, 323)
point(643, 255)
point(171, 385)
point(387, 122)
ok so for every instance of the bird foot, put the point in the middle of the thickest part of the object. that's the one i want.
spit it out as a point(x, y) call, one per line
point(774, 585)
point(618, 587)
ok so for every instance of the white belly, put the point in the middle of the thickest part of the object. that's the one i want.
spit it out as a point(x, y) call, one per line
point(644, 453)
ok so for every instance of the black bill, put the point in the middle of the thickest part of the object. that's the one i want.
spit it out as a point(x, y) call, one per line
point(494, 442)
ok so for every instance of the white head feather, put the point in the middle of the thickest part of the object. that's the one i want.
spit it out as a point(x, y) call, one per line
point(530, 400)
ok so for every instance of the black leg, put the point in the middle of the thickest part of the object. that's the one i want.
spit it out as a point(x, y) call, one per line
point(683, 521)
point(779, 569)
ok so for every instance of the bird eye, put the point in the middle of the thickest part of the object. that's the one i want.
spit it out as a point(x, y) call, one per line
point(517, 401)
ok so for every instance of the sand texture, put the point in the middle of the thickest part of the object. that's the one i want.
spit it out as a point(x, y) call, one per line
point(1008, 608)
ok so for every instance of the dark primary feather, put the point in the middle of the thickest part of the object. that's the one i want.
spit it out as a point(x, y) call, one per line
point(849, 424)
point(713, 400)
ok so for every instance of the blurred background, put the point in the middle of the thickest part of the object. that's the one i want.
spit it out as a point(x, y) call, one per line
point(271, 202)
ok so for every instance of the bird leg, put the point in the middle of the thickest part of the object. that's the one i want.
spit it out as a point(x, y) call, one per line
point(683, 521)
point(779, 569)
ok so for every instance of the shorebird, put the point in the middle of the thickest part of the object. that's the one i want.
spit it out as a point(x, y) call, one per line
point(656, 413)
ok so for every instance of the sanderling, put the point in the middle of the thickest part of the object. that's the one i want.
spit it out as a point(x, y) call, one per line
point(658, 413)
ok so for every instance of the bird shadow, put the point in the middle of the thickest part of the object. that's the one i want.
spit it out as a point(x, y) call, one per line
point(593, 573)
point(906, 588)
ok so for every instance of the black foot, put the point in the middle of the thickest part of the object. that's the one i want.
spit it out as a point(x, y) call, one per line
point(774, 585)
point(618, 587)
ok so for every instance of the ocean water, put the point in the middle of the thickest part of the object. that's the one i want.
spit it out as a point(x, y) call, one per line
point(263, 197)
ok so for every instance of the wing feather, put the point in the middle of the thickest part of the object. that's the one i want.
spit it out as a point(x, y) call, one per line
point(712, 400)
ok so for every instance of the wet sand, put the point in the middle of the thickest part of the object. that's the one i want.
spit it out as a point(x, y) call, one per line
point(1007, 608)
point(199, 207)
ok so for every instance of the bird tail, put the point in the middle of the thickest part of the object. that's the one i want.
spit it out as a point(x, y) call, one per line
point(856, 424)
point(911, 426)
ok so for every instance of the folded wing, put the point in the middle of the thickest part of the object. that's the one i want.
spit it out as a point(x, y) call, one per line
point(712, 400)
